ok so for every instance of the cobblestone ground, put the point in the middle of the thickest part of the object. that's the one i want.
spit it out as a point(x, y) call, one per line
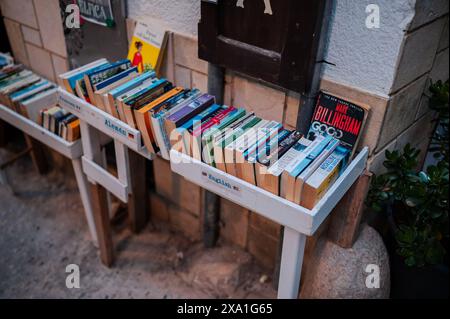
point(43, 229)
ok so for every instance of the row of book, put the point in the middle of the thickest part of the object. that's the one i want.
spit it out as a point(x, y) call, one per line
point(261, 152)
point(60, 122)
point(30, 95)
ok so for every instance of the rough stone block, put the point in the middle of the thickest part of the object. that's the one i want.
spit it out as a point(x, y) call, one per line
point(16, 41)
point(183, 76)
point(427, 11)
point(159, 209)
point(200, 81)
point(341, 273)
point(60, 65)
point(401, 111)
point(40, 61)
point(50, 26)
point(185, 222)
point(443, 43)
point(265, 225)
point(186, 53)
point(417, 54)
point(31, 36)
point(19, 10)
point(440, 67)
point(267, 103)
point(234, 223)
point(263, 247)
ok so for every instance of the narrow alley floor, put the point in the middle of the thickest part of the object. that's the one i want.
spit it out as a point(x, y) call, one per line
point(43, 229)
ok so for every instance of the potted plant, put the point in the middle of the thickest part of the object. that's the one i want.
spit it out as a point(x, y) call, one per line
point(416, 209)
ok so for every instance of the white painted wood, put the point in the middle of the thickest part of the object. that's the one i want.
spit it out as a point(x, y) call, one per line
point(291, 264)
point(85, 198)
point(98, 174)
point(123, 170)
point(265, 203)
point(68, 149)
point(104, 122)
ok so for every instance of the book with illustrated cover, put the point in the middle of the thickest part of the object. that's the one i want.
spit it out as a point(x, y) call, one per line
point(143, 122)
point(71, 78)
point(147, 46)
point(97, 75)
point(339, 118)
point(321, 180)
point(271, 177)
point(297, 166)
point(189, 111)
point(158, 119)
point(247, 159)
point(211, 134)
point(299, 182)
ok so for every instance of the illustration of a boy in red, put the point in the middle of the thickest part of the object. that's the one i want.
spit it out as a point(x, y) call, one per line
point(137, 59)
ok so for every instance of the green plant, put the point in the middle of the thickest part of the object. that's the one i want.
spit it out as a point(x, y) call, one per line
point(417, 203)
point(439, 102)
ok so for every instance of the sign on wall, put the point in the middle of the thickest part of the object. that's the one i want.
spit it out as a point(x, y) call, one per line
point(97, 11)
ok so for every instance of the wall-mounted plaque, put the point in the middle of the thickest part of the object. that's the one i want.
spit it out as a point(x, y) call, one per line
point(273, 40)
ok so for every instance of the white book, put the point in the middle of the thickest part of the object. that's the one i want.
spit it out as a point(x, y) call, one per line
point(294, 152)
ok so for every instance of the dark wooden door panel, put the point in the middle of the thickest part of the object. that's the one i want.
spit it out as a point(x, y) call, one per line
point(279, 48)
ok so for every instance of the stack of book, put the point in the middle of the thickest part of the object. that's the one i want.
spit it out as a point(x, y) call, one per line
point(27, 93)
point(62, 123)
point(261, 152)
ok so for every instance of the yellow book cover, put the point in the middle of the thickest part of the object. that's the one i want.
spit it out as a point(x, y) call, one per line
point(147, 46)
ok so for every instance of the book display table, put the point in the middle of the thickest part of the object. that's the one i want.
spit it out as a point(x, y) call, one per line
point(129, 185)
point(298, 221)
point(71, 150)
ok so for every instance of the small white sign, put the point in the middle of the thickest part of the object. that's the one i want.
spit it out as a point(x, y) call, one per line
point(221, 182)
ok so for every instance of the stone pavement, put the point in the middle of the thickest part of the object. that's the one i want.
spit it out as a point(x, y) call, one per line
point(43, 229)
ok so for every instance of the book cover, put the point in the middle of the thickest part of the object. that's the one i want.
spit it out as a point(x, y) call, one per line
point(299, 182)
point(338, 118)
point(321, 180)
point(195, 107)
point(147, 46)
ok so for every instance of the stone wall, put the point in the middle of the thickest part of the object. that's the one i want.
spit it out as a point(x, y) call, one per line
point(36, 35)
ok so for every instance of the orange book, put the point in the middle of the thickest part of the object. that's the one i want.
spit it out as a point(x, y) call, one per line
point(143, 114)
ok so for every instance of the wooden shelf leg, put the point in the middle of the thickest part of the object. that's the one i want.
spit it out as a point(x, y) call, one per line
point(37, 154)
point(85, 195)
point(102, 224)
point(291, 264)
point(138, 198)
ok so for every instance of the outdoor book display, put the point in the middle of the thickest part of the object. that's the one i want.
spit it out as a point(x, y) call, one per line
point(291, 179)
point(29, 103)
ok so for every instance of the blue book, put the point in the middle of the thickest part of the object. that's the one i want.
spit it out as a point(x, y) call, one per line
point(116, 92)
point(28, 89)
point(79, 76)
point(115, 78)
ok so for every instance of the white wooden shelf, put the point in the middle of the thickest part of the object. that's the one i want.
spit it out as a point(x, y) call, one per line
point(258, 200)
point(71, 150)
point(104, 122)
